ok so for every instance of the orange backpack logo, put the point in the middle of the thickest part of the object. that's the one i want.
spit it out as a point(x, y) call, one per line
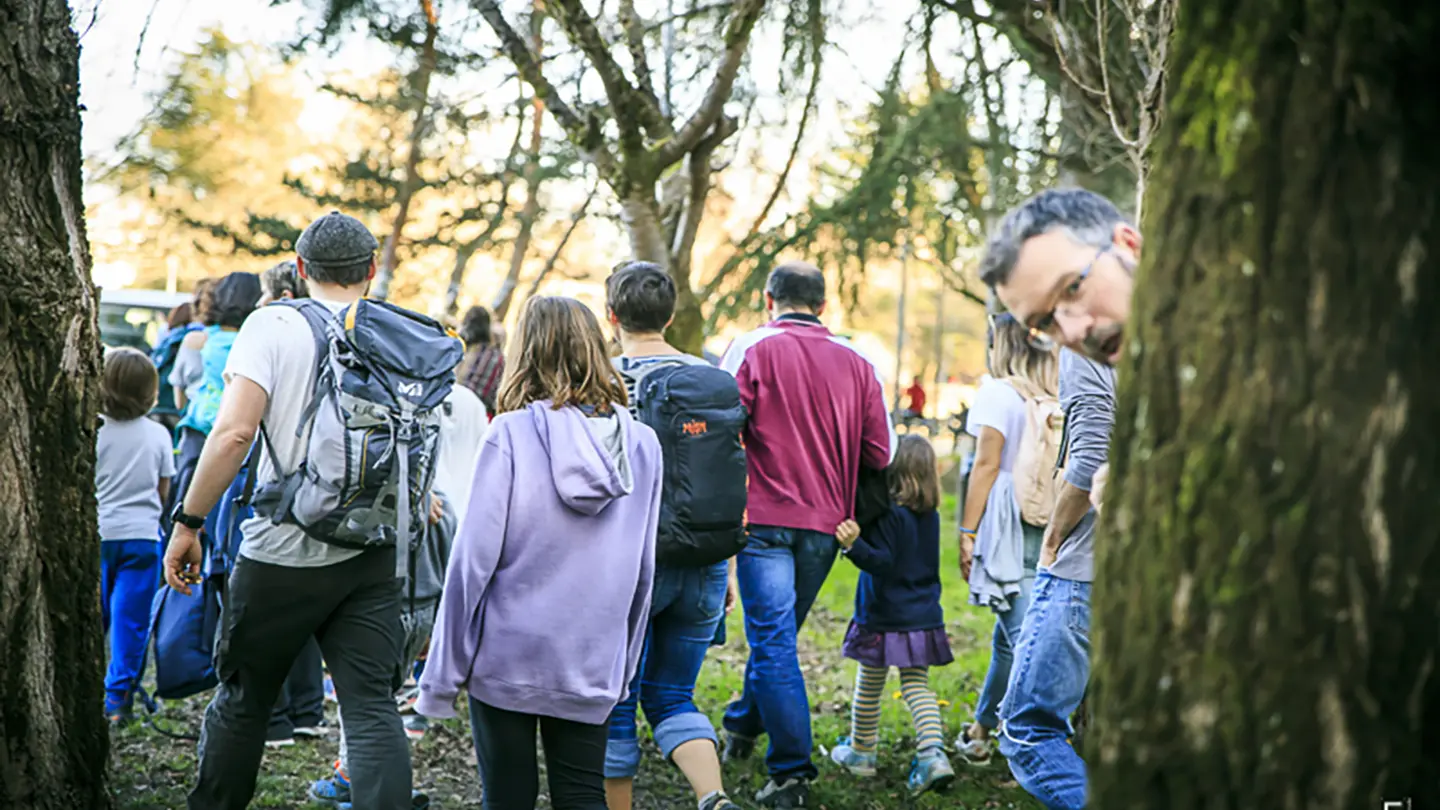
point(697, 427)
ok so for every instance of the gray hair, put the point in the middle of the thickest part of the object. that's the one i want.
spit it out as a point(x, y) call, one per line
point(1087, 217)
point(282, 278)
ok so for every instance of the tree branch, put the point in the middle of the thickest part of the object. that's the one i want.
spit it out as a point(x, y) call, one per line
point(694, 210)
point(628, 106)
point(564, 240)
point(635, 43)
point(737, 38)
point(585, 137)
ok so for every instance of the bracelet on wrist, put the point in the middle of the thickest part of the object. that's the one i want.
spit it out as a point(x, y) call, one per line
point(965, 531)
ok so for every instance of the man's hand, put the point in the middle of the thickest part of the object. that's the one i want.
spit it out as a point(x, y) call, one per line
point(1097, 486)
point(182, 559)
point(437, 508)
point(1050, 547)
point(967, 553)
point(847, 533)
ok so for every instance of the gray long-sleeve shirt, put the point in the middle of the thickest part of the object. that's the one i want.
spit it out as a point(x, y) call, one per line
point(1087, 394)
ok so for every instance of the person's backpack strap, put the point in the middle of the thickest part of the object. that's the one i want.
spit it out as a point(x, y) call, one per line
point(318, 318)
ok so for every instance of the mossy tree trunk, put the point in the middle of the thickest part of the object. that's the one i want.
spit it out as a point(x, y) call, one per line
point(53, 740)
point(1268, 599)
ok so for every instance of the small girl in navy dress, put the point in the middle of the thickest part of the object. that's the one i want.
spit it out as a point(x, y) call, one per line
point(898, 618)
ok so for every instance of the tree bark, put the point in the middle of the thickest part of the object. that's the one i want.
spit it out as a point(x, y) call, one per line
point(380, 288)
point(1268, 597)
point(53, 738)
point(531, 210)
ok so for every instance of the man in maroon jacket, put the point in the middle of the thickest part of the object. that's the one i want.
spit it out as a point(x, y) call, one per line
point(817, 411)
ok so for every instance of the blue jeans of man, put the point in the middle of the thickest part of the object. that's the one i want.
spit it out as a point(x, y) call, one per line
point(129, 576)
point(780, 571)
point(1052, 668)
point(686, 605)
point(1007, 636)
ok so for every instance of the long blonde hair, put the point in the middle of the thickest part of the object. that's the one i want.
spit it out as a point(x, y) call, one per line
point(558, 353)
point(1012, 356)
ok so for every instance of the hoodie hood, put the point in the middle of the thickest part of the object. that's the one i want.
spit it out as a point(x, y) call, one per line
point(588, 456)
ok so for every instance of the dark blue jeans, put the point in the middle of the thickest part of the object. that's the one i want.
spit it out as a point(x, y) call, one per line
point(1052, 667)
point(129, 575)
point(780, 571)
point(687, 605)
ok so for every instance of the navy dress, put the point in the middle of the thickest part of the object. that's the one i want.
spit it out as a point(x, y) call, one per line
point(898, 618)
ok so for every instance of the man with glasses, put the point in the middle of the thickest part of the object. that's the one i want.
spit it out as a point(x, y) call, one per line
point(1062, 263)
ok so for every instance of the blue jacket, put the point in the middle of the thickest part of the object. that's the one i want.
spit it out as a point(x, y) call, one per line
point(899, 560)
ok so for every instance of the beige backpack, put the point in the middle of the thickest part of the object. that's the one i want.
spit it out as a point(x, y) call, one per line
point(1037, 474)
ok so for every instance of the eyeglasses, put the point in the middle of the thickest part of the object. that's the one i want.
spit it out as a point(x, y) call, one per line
point(1041, 336)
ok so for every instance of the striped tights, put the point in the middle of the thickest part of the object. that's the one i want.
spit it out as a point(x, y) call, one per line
point(914, 688)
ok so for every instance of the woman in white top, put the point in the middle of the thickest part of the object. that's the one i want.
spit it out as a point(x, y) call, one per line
point(997, 420)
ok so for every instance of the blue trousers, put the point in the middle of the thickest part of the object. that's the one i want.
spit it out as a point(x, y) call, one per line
point(1007, 636)
point(687, 605)
point(129, 576)
point(780, 571)
point(1052, 668)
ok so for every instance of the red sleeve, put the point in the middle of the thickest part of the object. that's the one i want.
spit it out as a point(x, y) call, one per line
point(875, 437)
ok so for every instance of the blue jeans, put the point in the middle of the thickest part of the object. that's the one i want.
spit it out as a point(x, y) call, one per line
point(1007, 636)
point(686, 606)
point(780, 571)
point(129, 575)
point(1045, 690)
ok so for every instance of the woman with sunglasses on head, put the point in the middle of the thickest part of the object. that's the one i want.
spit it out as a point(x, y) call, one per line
point(1023, 381)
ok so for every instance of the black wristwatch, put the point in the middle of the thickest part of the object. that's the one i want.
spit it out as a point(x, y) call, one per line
point(188, 521)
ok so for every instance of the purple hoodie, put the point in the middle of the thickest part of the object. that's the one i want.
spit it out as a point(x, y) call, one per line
point(548, 590)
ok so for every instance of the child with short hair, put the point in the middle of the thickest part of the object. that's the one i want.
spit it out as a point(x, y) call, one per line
point(133, 467)
point(542, 620)
point(899, 621)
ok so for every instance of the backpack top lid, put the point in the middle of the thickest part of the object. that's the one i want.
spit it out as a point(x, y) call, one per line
point(400, 341)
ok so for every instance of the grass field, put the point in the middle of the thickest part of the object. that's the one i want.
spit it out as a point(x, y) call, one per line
point(151, 771)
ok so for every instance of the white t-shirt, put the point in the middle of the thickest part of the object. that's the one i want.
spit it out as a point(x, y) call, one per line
point(998, 406)
point(131, 458)
point(461, 432)
point(276, 350)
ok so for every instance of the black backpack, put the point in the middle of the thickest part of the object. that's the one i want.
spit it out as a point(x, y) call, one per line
point(696, 412)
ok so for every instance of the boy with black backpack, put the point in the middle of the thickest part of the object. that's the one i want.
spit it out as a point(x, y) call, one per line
point(694, 409)
point(344, 393)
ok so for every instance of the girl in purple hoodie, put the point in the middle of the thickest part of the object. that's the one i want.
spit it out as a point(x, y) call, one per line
point(543, 615)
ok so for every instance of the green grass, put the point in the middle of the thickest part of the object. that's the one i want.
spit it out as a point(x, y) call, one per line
point(152, 772)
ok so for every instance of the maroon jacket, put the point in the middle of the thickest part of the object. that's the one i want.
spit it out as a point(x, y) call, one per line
point(817, 409)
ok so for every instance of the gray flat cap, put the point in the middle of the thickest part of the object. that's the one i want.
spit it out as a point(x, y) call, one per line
point(336, 240)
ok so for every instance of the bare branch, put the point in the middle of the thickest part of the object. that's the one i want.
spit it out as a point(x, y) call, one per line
point(575, 221)
point(737, 38)
point(629, 107)
point(1102, 33)
point(526, 62)
point(635, 43)
point(687, 226)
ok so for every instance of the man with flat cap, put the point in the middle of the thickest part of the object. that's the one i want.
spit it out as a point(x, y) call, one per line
point(287, 587)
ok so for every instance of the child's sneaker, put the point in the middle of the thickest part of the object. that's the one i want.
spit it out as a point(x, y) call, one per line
point(859, 763)
point(415, 726)
point(330, 690)
point(334, 792)
point(718, 801)
point(973, 751)
point(406, 699)
point(789, 796)
point(930, 771)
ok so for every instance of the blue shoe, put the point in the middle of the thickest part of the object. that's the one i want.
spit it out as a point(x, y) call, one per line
point(859, 763)
point(332, 792)
point(930, 771)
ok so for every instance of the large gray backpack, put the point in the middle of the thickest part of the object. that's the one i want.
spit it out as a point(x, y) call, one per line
point(382, 374)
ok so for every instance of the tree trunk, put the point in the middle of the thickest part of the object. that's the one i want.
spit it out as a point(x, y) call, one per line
point(1268, 599)
point(457, 279)
point(53, 739)
point(380, 288)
